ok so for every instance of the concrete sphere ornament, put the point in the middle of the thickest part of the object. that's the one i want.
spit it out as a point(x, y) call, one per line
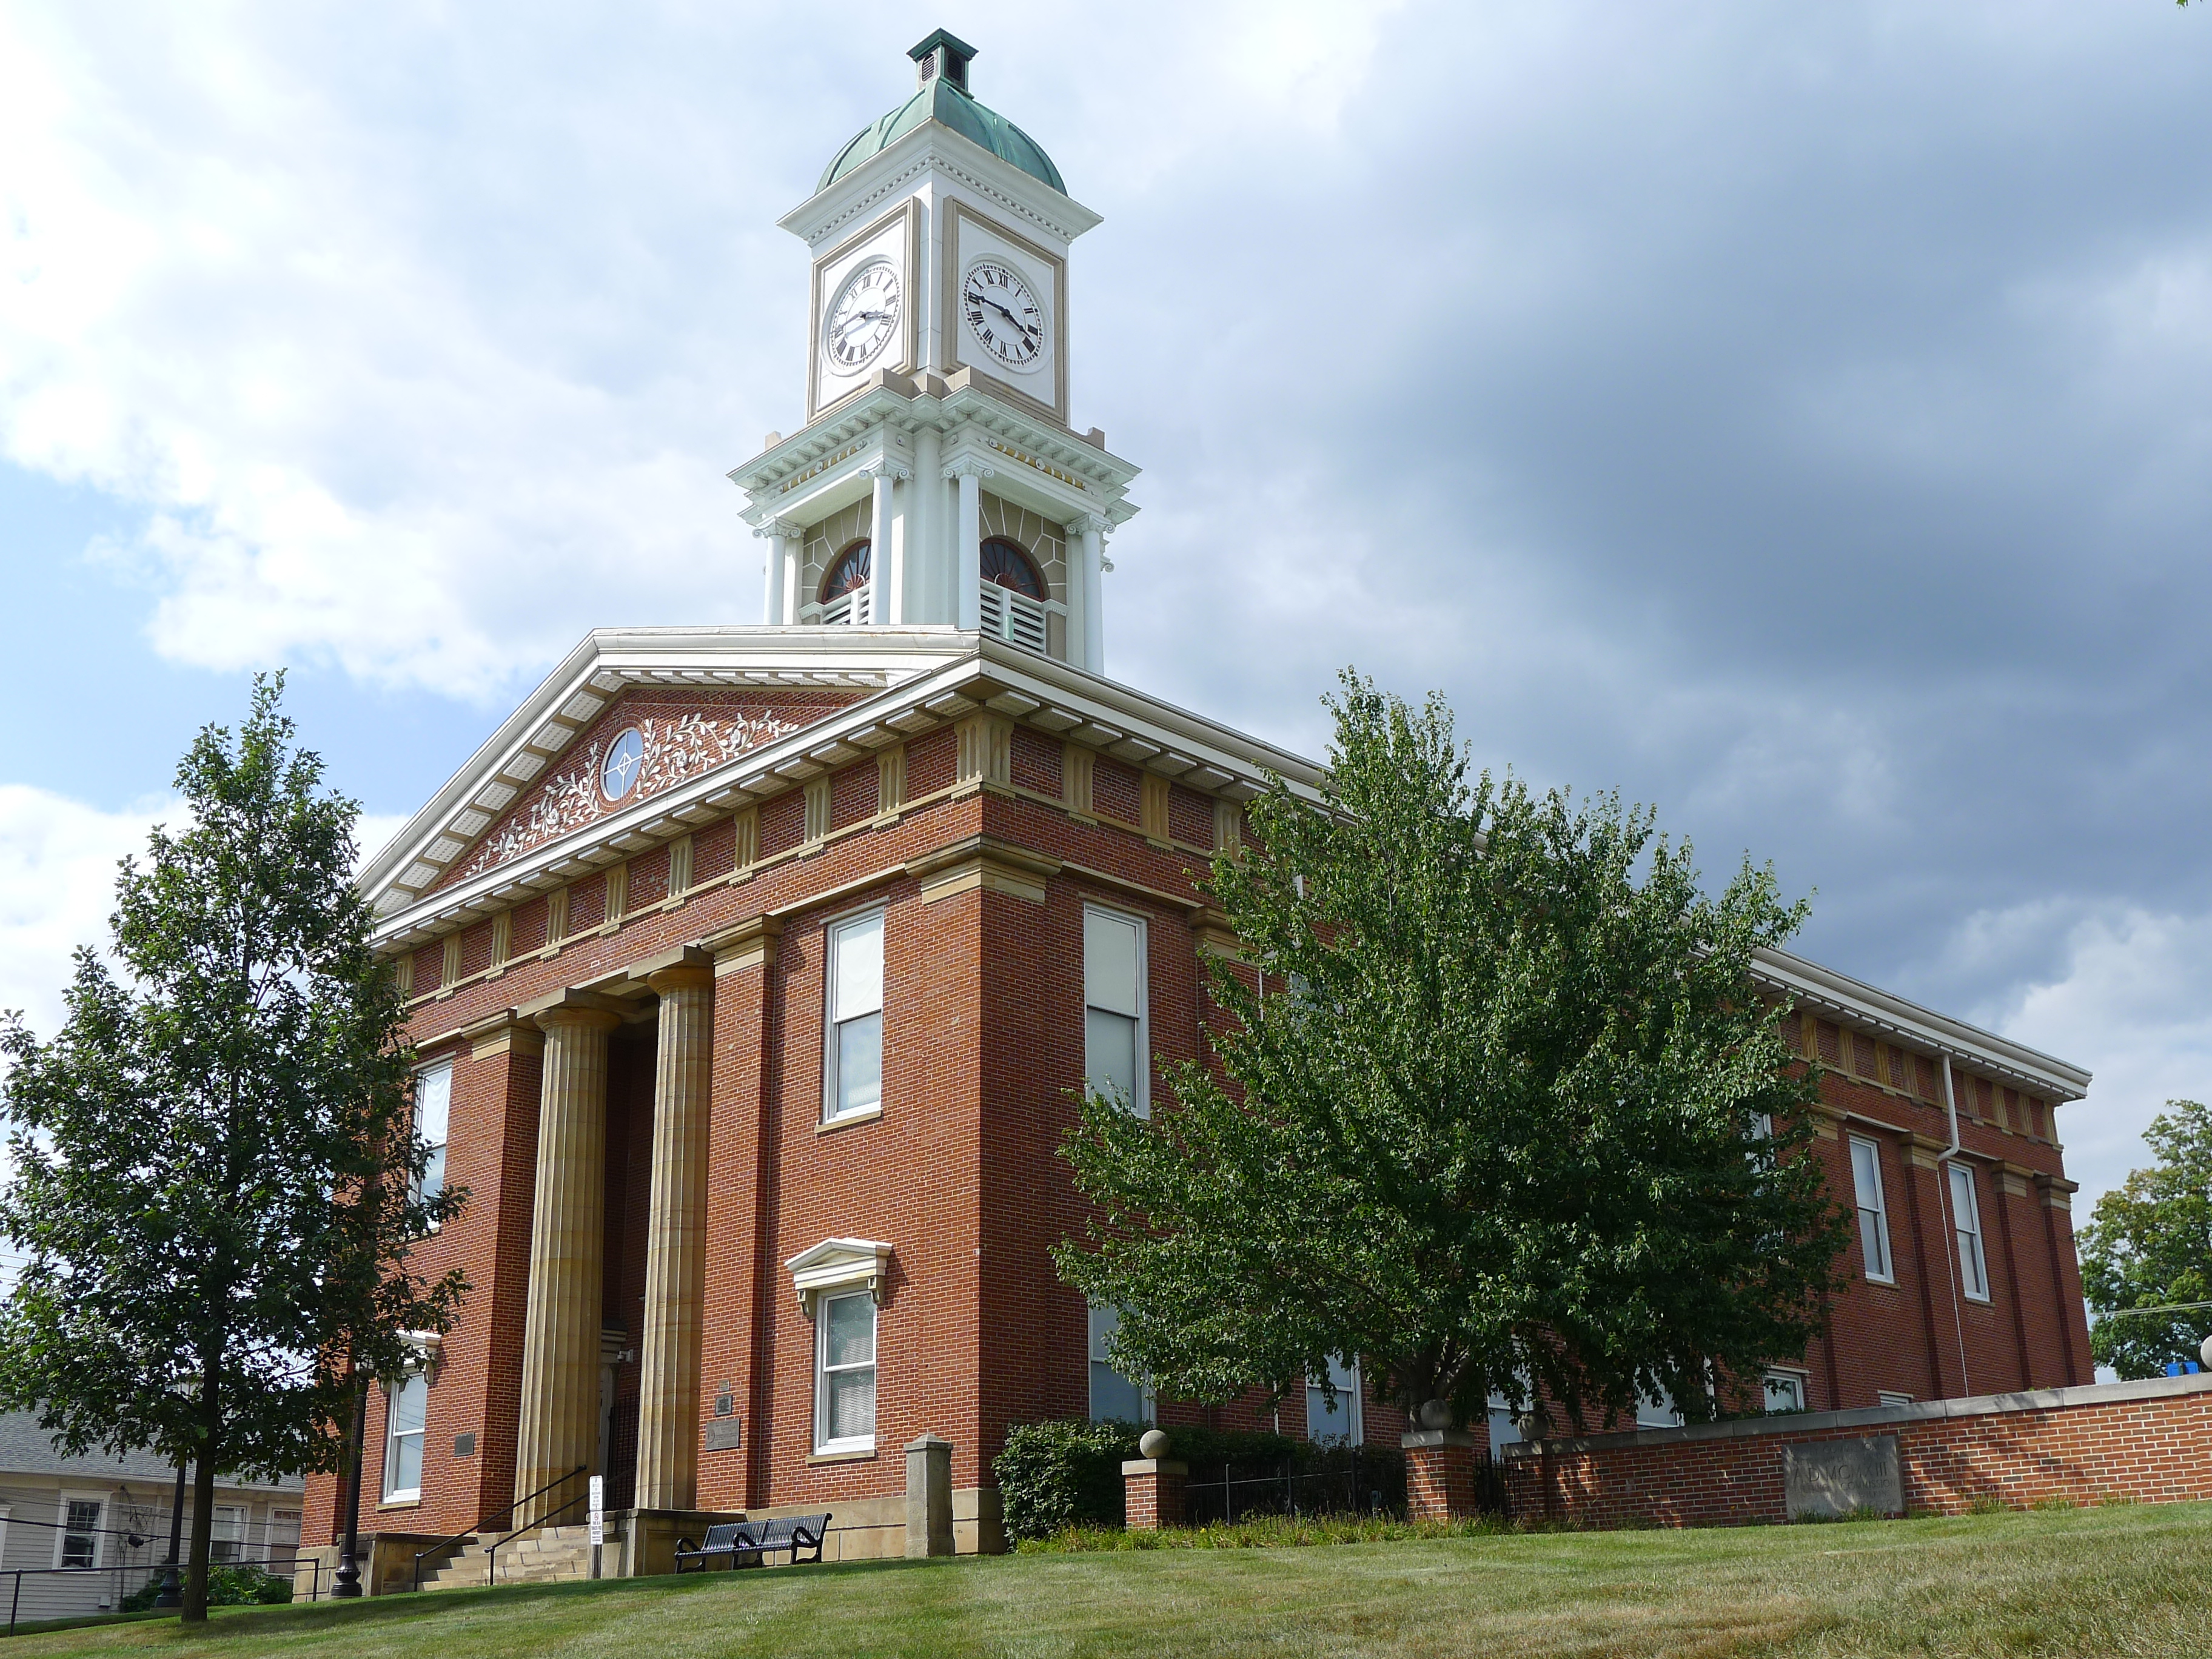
point(1153, 1443)
point(2206, 1350)
point(1434, 1414)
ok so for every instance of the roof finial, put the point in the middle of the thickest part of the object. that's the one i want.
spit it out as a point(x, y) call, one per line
point(943, 54)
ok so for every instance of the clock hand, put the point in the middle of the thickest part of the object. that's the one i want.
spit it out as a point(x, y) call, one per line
point(1027, 328)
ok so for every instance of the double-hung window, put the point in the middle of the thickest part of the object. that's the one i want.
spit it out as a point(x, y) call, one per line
point(1967, 1223)
point(226, 1533)
point(1339, 1424)
point(77, 1544)
point(845, 1373)
point(1117, 1062)
point(433, 1100)
point(852, 1063)
point(1785, 1391)
point(1873, 1217)
point(407, 1404)
point(1114, 1398)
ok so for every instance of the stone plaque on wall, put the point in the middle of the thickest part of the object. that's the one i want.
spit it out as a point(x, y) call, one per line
point(1823, 1477)
point(722, 1434)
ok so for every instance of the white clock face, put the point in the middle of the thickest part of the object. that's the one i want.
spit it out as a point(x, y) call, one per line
point(863, 317)
point(1002, 315)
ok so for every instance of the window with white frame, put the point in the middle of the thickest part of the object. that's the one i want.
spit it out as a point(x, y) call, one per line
point(77, 1542)
point(1873, 1216)
point(407, 1404)
point(1114, 1398)
point(433, 1100)
point(1785, 1391)
point(1967, 1223)
point(845, 1373)
point(226, 1531)
point(1116, 1044)
point(1340, 1423)
point(853, 1062)
point(1658, 1410)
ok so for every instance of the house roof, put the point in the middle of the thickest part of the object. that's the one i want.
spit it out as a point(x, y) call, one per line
point(27, 1449)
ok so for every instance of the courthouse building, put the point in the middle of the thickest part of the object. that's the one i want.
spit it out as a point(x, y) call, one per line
point(754, 968)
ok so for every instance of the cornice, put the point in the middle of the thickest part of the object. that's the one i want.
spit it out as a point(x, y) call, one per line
point(965, 162)
point(1812, 985)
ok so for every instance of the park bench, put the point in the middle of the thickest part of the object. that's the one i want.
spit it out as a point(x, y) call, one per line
point(743, 1543)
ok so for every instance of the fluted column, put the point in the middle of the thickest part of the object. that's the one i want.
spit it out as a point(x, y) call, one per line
point(560, 1416)
point(778, 601)
point(675, 1243)
point(886, 549)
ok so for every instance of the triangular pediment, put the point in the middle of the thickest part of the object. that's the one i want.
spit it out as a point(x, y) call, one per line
point(681, 704)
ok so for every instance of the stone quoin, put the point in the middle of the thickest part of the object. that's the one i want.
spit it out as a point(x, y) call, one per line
point(754, 972)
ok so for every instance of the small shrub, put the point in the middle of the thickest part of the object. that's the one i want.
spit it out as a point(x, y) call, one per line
point(1063, 1473)
point(241, 1586)
point(1987, 1503)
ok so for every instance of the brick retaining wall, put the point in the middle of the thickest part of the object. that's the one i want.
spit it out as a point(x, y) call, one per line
point(2147, 1442)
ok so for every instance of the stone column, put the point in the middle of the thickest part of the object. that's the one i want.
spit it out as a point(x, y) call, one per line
point(1094, 593)
point(560, 1417)
point(968, 550)
point(928, 1496)
point(675, 1243)
point(1078, 609)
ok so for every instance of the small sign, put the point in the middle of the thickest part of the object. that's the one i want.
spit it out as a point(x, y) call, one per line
point(599, 1511)
point(725, 1433)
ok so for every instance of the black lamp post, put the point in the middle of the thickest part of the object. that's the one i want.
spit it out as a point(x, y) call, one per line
point(348, 1582)
point(172, 1595)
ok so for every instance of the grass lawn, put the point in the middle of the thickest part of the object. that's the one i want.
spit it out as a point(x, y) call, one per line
point(2135, 1580)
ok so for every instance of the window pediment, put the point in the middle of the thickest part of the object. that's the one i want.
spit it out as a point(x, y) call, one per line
point(839, 1264)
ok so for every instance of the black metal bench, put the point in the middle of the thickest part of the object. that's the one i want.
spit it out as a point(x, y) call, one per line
point(743, 1543)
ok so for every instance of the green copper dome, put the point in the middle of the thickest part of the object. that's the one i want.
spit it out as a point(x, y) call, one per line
point(943, 64)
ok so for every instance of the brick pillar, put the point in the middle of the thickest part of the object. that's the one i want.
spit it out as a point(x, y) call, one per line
point(1440, 1466)
point(560, 1421)
point(668, 1382)
point(1152, 1492)
point(741, 1299)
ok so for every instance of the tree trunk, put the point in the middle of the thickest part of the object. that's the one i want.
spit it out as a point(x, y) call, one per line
point(196, 1579)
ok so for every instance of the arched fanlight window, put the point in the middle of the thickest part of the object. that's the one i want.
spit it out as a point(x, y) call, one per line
point(848, 571)
point(1006, 564)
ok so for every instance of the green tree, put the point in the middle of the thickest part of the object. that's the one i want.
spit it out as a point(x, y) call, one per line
point(216, 1172)
point(1511, 1115)
point(2150, 1245)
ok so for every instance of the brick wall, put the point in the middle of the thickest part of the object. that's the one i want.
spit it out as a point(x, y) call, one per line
point(2147, 1442)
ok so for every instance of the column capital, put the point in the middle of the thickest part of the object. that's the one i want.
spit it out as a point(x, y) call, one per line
point(883, 467)
point(682, 977)
point(780, 528)
point(1091, 524)
point(968, 466)
point(589, 1009)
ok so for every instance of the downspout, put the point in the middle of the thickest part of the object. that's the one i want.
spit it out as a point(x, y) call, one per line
point(1943, 1209)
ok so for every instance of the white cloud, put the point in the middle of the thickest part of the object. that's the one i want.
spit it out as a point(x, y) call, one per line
point(58, 867)
point(2132, 1002)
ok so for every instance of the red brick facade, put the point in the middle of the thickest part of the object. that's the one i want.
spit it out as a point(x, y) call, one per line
point(983, 862)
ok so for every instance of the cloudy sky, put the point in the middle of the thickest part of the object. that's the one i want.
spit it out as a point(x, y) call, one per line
point(1798, 417)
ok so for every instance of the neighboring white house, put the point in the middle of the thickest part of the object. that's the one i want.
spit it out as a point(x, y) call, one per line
point(108, 1519)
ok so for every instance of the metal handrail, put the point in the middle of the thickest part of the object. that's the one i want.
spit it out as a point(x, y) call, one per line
point(468, 1533)
point(491, 1555)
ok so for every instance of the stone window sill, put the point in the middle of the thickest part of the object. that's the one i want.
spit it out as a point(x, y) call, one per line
point(849, 1120)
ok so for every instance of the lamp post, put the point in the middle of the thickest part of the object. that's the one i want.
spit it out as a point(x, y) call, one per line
point(348, 1581)
point(171, 1594)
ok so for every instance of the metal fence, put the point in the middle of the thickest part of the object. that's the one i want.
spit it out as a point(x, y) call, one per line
point(1359, 1481)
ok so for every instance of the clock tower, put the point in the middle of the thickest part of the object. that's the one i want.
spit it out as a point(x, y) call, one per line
point(939, 481)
